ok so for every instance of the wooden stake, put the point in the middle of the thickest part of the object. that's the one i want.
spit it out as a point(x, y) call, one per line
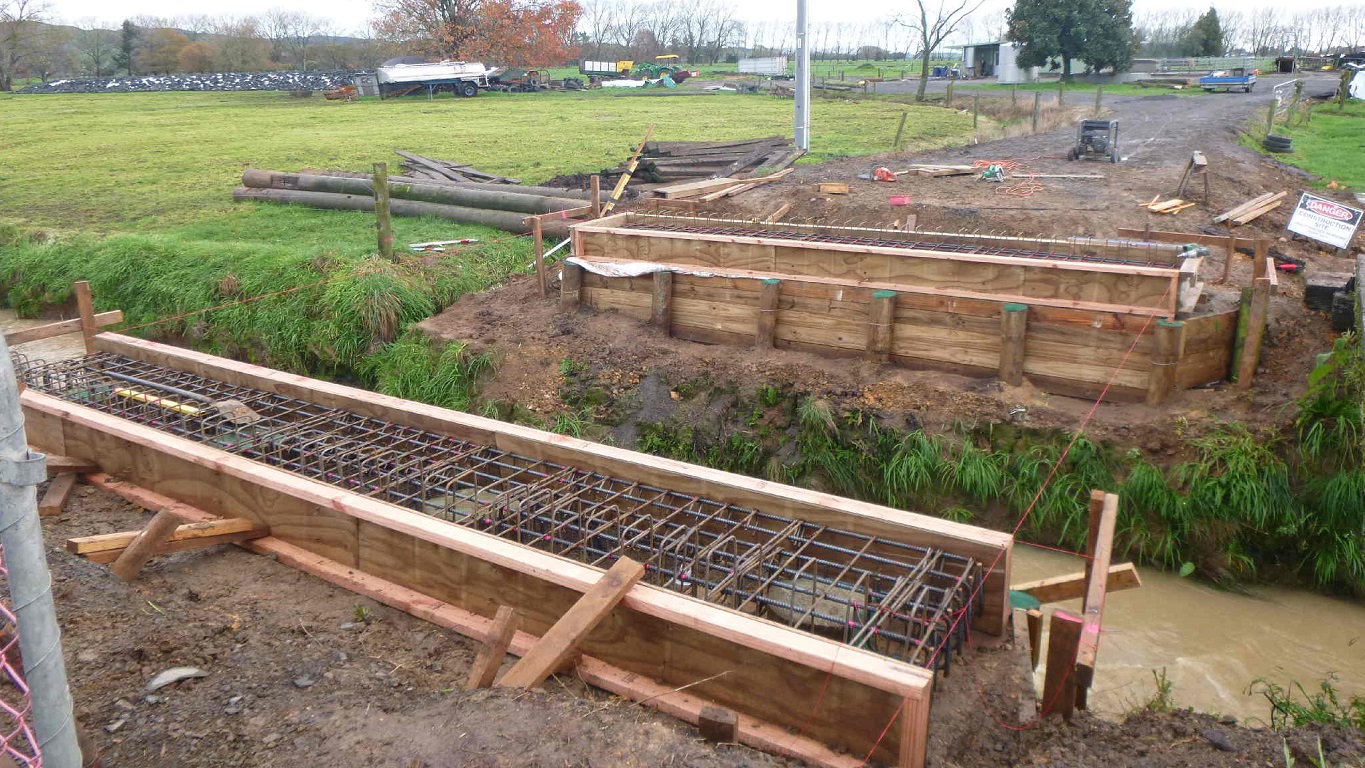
point(661, 309)
point(1037, 108)
point(58, 491)
point(86, 306)
point(1096, 586)
point(596, 183)
point(1099, 95)
point(768, 291)
point(538, 240)
point(137, 554)
point(494, 648)
point(1035, 635)
point(383, 221)
point(880, 317)
point(562, 640)
point(1259, 307)
point(1059, 679)
point(1165, 358)
point(900, 131)
point(571, 289)
point(1230, 248)
point(1013, 327)
point(976, 109)
point(718, 725)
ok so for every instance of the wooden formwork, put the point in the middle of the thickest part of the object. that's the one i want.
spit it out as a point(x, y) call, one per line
point(1052, 322)
point(777, 677)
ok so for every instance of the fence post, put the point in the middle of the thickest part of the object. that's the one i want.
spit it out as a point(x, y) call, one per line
point(538, 244)
point(30, 583)
point(571, 287)
point(1099, 94)
point(948, 102)
point(383, 223)
point(767, 311)
point(976, 109)
point(661, 308)
point(880, 316)
point(1013, 327)
point(1165, 357)
point(1270, 120)
point(900, 131)
point(1037, 108)
point(1014, 94)
point(1061, 93)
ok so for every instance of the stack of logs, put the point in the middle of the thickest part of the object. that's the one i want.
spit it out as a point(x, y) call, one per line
point(490, 204)
point(664, 162)
point(419, 167)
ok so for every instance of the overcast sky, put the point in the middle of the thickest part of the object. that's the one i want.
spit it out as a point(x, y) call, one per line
point(353, 15)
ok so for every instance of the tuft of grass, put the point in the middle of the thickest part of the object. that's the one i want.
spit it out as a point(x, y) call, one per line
point(1327, 145)
point(1325, 705)
point(418, 369)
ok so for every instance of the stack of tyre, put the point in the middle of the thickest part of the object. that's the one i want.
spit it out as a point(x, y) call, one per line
point(1277, 144)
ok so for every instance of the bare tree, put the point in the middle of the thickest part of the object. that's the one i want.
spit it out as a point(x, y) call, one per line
point(933, 22)
point(95, 48)
point(20, 21)
point(1260, 29)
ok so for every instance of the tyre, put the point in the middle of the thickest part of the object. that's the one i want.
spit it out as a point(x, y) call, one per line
point(1278, 144)
point(469, 90)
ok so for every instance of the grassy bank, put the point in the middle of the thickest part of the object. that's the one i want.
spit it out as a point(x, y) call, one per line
point(1327, 142)
point(156, 160)
point(329, 303)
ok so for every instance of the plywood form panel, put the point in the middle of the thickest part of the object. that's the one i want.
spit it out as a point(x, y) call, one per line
point(717, 315)
point(629, 303)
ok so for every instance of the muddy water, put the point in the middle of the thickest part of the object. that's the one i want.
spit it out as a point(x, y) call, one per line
point(1211, 643)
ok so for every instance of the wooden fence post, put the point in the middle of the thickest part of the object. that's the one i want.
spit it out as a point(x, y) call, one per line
point(1165, 358)
point(571, 288)
point(1014, 94)
point(661, 311)
point(1061, 93)
point(1059, 679)
point(976, 109)
point(1037, 108)
point(767, 311)
point(538, 237)
point(85, 304)
point(1013, 327)
point(1257, 311)
point(900, 131)
point(948, 101)
point(1270, 121)
point(383, 222)
point(880, 316)
point(1099, 95)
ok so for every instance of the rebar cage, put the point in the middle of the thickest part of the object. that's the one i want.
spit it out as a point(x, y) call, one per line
point(907, 602)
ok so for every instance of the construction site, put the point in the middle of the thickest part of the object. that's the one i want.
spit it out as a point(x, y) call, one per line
point(669, 528)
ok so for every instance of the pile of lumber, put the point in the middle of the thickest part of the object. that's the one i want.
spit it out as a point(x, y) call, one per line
point(664, 162)
point(1173, 206)
point(495, 205)
point(706, 190)
point(1252, 209)
point(941, 170)
point(419, 167)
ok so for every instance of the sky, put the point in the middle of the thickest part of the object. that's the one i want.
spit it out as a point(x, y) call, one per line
point(353, 15)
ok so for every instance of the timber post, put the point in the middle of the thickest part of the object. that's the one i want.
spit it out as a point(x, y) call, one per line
point(1099, 95)
point(1037, 108)
point(976, 109)
point(383, 221)
point(661, 308)
point(880, 316)
point(948, 100)
point(900, 131)
point(1165, 358)
point(571, 287)
point(1059, 678)
point(596, 183)
point(1013, 327)
point(1257, 311)
point(1230, 247)
point(538, 238)
point(85, 304)
point(767, 311)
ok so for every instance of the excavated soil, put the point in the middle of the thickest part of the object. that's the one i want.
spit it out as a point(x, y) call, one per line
point(301, 673)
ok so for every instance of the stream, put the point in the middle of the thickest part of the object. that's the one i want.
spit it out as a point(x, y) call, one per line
point(1212, 643)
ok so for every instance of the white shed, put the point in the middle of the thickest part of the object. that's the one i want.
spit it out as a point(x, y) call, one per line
point(998, 60)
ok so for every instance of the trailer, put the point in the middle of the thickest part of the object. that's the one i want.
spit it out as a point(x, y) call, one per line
point(464, 78)
point(1236, 80)
point(772, 66)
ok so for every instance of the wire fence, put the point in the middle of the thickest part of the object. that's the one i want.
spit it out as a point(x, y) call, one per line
point(17, 739)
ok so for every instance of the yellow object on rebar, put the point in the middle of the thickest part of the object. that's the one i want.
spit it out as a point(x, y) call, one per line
point(164, 402)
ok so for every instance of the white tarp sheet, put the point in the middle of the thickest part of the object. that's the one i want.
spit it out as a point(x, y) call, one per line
point(1357, 86)
point(638, 268)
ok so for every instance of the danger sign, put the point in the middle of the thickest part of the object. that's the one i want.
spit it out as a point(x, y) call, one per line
point(1324, 220)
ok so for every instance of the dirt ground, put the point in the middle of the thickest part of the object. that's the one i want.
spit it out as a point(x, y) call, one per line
point(301, 673)
point(530, 337)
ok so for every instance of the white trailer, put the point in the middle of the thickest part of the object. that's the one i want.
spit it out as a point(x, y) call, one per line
point(772, 66)
point(466, 77)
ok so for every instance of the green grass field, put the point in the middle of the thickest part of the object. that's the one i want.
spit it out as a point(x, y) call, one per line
point(1329, 144)
point(155, 160)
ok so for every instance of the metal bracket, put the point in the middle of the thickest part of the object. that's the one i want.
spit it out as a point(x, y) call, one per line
point(21, 473)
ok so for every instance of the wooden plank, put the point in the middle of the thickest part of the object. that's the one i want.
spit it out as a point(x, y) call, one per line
point(1259, 308)
point(1059, 678)
point(1101, 551)
point(1035, 636)
point(58, 491)
point(143, 547)
point(718, 725)
point(1256, 213)
point(720, 654)
point(564, 638)
point(1072, 586)
point(169, 547)
point(107, 542)
point(1244, 207)
point(705, 186)
point(60, 328)
point(493, 648)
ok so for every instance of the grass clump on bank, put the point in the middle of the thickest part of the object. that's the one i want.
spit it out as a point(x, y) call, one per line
point(327, 303)
point(1326, 142)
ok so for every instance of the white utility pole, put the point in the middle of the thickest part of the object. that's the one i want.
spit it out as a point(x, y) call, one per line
point(802, 130)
